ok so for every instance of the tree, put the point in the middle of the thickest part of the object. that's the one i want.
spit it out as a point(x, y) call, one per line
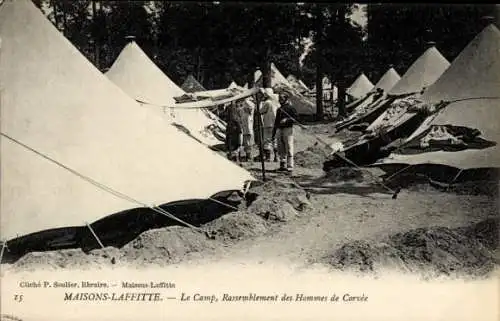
point(397, 34)
point(343, 58)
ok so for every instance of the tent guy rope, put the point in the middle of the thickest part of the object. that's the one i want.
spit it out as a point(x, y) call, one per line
point(394, 192)
point(104, 187)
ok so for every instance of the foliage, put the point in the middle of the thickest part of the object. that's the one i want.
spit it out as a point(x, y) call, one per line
point(398, 34)
point(219, 42)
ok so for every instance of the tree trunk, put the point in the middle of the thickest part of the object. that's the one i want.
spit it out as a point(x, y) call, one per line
point(341, 87)
point(266, 69)
point(95, 35)
point(55, 12)
point(198, 65)
point(64, 22)
point(251, 78)
point(497, 15)
point(319, 63)
point(319, 89)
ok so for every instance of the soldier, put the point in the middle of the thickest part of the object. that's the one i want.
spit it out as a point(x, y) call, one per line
point(283, 126)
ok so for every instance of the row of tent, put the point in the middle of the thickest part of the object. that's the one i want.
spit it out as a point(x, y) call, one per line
point(78, 145)
point(360, 87)
point(438, 114)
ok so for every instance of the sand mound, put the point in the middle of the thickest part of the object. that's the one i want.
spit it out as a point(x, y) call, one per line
point(365, 256)
point(312, 157)
point(345, 174)
point(283, 189)
point(273, 209)
point(165, 245)
point(432, 251)
point(237, 226)
point(72, 258)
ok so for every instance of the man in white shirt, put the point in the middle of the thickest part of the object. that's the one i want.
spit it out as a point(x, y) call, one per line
point(268, 110)
point(246, 108)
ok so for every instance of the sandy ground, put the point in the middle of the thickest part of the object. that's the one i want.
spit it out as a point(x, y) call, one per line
point(355, 211)
point(300, 219)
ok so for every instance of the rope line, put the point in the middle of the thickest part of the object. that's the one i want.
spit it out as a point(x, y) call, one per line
point(397, 172)
point(338, 155)
point(222, 203)
point(2, 250)
point(454, 179)
point(95, 235)
point(102, 186)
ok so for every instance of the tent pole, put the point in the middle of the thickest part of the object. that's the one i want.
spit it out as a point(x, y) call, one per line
point(396, 173)
point(261, 136)
point(4, 245)
point(454, 179)
point(95, 235)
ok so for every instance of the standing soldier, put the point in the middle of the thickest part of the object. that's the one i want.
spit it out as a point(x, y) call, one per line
point(283, 126)
point(233, 134)
point(268, 111)
point(246, 108)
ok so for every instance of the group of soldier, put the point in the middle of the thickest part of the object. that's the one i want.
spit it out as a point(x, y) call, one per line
point(277, 118)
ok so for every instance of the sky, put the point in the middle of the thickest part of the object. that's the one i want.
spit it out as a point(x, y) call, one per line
point(359, 15)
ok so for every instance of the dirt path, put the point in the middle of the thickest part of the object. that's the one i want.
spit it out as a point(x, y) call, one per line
point(344, 208)
point(350, 211)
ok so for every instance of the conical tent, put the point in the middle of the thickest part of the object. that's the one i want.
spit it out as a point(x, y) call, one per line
point(388, 80)
point(471, 87)
point(296, 83)
point(276, 77)
point(191, 85)
point(280, 84)
point(397, 116)
point(233, 85)
point(422, 73)
point(360, 87)
point(142, 80)
point(56, 102)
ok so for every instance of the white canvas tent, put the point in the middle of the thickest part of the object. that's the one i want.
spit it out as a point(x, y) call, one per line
point(421, 74)
point(392, 112)
point(280, 84)
point(297, 84)
point(276, 77)
point(388, 80)
point(142, 80)
point(360, 87)
point(190, 84)
point(471, 86)
point(234, 85)
point(56, 102)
